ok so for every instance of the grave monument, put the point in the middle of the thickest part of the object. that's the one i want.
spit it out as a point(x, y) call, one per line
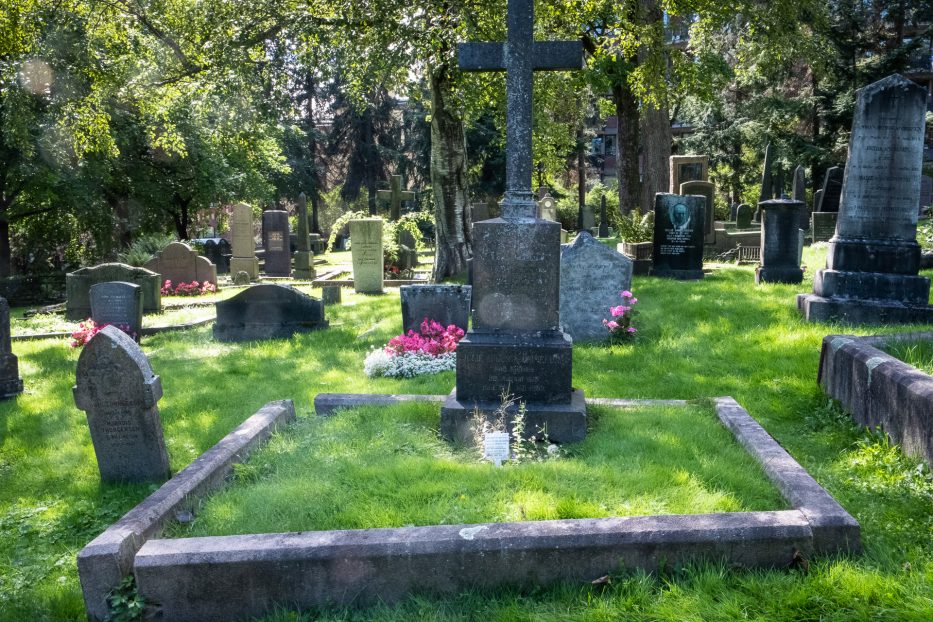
point(275, 242)
point(179, 263)
point(873, 258)
point(119, 392)
point(394, 196)
point(304, 256)
point(688, 168)
point(118, 303)
point(708, 190)
point(243, 242)
point(678, 236)
point(78, 287)
point(366, 250)
point(445, 304)
point(516, 345)
point(10, 382)
point(780, 242)
point(267, 311)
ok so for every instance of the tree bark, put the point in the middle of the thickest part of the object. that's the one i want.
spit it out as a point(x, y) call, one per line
point(627, 145)
point(581, 176)
point(656, 154)
point(314, 191)
point(6, 263)
point(453, 240)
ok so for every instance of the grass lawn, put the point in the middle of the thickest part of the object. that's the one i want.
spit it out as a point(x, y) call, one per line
point(916, 353)
point(721, 336)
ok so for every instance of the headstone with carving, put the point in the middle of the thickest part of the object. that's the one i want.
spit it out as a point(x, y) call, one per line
point(275, 242)
point(591, 277)
point(179, 263)
point(243, 242)
point(678, 236)
point(78, 286)
point(366, 249)
point(118, 303)
point(688, 168)
point(119, 392)
point(872, 264)
point(547, 207)
point(10, 382)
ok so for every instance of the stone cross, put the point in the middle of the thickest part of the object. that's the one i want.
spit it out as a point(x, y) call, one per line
point(519, 56)
point(395, 195)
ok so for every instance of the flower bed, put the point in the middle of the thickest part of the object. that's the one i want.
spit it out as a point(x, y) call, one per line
point(194, 288)
point(429, 351)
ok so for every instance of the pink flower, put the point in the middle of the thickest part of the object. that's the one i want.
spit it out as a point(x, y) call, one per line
point(617, 311)
point(632, 329)
point(613, 325)
point(634, 301)
point(626, 294)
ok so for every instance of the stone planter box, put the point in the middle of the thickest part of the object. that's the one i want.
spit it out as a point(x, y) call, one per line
point(636, 250)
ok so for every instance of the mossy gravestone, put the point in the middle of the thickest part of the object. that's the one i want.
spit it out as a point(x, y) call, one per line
point(78, 286)
point(366, 247)
point(118, 391)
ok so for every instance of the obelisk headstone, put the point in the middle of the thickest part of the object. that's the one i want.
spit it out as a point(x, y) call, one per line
point(304, 257)
point(873, 258)
point(366, 250)
point(515, 345)
point(603, 220)
point(243, 244)
point(275, 241)
point(119, 392)
point(10, 382)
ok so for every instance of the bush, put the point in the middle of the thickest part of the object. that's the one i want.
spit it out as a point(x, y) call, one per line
point(144, 248)
point(635, 227)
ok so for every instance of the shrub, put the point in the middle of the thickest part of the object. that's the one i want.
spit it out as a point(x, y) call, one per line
point(144, 248)
point(620, 325)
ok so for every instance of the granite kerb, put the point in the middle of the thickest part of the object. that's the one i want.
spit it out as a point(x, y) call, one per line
point(107, 559)
point(880, 391)
point(146, 330)
point(194, 578)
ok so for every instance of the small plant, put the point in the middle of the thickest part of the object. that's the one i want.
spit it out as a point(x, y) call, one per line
point(620, 325)
point(88, 328)
point(429, 351)
point(522, 447)
point(193, 288)
point(126, 603)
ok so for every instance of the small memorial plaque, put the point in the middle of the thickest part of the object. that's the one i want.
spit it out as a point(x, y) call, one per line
point(496, 447)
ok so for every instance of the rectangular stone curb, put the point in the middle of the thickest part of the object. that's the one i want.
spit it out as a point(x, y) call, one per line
point(107, 559)
point(880, 391)
point(834, 530)
point(239, 577)
point(151, 330)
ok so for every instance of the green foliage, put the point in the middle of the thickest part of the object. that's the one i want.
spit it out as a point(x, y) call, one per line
point(916, 353)
point(424, 223)
point(925, 234)
point(126, 604)
point(342, 221)
point(144, 248)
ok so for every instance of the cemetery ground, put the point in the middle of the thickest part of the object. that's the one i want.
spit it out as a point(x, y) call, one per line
point(716, 337)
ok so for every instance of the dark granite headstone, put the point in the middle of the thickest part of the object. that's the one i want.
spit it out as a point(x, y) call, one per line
point(408, 253)
point(831, 191)
point(823, 225)
point(926, 192)
point(708, 190)
point(678, 236)
point(445, 304)
point(275, 242)
point(118, 303)
point(10, 382)
point(873, 259)
point(799, 193)
point(780, 240)
point(603, 218)
point(179, 263)
point(78, 286)
point(743, 216)
point(218, 251)
point(267, 311)
point(817, 198)
point(330, 294)
point(592, 276)
point(119, 392)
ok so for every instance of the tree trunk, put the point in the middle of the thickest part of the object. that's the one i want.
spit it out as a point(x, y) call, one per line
point(627, 145)
point(453, 240)
point(370, 180)
point(6, 263)
point(656, 154)
point(314, 191)
point(181, 217)
point(581, 177)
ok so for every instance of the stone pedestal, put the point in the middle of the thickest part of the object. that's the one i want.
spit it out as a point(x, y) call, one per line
point(873, 258)
point(780, 242)
point(678, 236)
point(304, 265)
point(366, 247)
point(249, 265)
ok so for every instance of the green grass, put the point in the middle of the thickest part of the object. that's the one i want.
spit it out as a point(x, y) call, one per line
point(721, 336)
point(916, 353)
point(386, 467)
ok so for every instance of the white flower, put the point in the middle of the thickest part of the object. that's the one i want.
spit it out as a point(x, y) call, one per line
point(407, 364)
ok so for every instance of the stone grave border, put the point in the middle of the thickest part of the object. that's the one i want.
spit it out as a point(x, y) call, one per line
point(148, 330)
point(879, 390)
point(237, 577)
point(109, 557)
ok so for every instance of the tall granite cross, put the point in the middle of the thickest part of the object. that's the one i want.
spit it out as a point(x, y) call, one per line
point(519, 56)
point(395, 195)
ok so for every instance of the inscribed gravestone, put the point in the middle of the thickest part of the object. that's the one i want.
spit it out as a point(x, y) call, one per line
point(831, 191)
point(873, 258)
point(178, 263)
point(591, 277)
point(688, 168)
point(119, 392)
point(547, 207)
point(267, 311)
point(780, 242)
point(515, 343)
point(445, 304)
point(78, 286)
point(823, 225)
point(243, 242)
point(707, 190)
point(304, 256)
point(217, 251)
point(678, 236)
point(366, 249)
point(603, 219)
point(118, 303)
point(10, 382)
point(275, 242)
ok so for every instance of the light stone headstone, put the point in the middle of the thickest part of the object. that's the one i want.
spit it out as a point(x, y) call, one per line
point(118, 303)
point(275, 241)
point(243, 242)
point(119, 392)
point(547, 207)
point(179, 263)
point(366, 248)
point(10, 382)
point(873, 259)
point(591, 277)
point(688, 168)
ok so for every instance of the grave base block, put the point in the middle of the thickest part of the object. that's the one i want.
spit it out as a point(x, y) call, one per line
point(304, 266)
point(855, 311)
point(249, 265)
point(778, 275)
point(10, 387)
point(641, 267)
point(562, 423)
